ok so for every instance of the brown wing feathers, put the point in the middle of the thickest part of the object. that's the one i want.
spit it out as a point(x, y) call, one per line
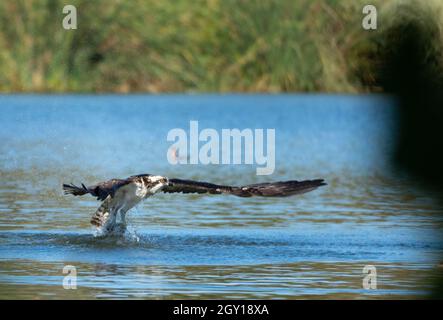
point(101, 190)
point(190, 186)
point(270, 189)
point(278, 189)
point(74, 190)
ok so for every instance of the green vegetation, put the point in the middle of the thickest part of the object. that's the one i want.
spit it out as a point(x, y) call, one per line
point(190, 45)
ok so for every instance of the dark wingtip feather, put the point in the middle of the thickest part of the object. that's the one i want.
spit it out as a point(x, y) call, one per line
point(74, 190)
point(84, 188)
point(320, 182)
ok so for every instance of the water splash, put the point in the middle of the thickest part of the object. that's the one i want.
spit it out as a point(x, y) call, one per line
point(131, 234)
point(121, 231)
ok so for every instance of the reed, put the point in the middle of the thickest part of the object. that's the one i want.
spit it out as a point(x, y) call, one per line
point(190, 46)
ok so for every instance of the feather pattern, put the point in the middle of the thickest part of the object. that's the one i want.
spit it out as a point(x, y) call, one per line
point(267, 189)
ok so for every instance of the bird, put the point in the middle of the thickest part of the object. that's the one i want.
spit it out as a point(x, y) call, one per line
point(118, 196)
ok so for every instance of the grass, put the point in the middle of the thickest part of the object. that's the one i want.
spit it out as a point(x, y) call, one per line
point(190, 46)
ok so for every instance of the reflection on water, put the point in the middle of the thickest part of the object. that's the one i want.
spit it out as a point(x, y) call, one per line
point(338, 280)
point(191, 246)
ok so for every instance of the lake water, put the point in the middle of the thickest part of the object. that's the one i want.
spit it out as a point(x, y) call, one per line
point(198, 246)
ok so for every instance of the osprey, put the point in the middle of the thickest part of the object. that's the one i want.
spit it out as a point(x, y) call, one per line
point(120, 195)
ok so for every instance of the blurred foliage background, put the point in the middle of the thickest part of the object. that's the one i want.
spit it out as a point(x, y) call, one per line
point(196, 45)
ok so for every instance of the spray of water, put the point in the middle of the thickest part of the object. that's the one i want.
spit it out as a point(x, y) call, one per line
point(121, 231)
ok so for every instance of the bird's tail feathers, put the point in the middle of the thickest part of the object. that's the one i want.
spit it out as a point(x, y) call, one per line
point(101, 216)
point(74, 190)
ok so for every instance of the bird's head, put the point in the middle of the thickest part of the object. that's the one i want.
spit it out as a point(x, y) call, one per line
point(165, 181)
point(159, 180)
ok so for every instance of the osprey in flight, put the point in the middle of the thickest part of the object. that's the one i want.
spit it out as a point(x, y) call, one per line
point(120, 195)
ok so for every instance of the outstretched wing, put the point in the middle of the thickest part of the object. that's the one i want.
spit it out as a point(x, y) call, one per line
point(269, 189)
point(100, 190)
point(190, 186)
